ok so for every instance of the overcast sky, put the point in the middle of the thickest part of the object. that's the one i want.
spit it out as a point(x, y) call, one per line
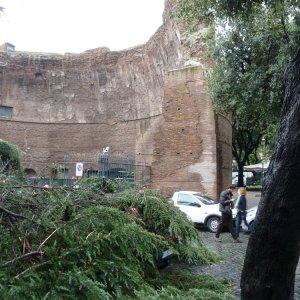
point(62, 26)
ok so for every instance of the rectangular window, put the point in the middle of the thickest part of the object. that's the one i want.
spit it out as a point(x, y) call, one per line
point(5, 111)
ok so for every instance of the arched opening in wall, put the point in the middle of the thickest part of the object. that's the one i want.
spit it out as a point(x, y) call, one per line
point(30, 172)
point(39, 76)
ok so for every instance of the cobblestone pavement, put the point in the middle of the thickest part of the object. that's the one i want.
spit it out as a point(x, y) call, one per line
point(231, 266)
point(233, 254)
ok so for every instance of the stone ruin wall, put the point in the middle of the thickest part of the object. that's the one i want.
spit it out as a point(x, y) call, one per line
point(193, 142)
point(140, 102)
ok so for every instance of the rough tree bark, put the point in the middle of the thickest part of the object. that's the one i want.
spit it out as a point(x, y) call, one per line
point(241, 174)
point(273, 250)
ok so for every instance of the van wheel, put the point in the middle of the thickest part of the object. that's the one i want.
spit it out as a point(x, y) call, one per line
point(212, 224)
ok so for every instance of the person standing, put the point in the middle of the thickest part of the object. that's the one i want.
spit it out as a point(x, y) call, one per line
point(241, 207)
point(226, 203)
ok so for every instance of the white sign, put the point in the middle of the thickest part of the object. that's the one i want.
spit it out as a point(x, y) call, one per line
point(79, 169)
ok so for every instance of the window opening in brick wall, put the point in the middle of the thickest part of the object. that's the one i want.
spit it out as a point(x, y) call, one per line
point(5, 111)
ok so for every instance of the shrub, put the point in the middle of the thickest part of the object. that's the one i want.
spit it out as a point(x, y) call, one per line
point(254, 188)
point(10, 158)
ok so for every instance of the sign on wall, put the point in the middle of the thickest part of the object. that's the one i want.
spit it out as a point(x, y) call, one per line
point(79, 169)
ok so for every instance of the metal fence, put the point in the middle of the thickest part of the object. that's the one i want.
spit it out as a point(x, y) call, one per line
point(117, 168)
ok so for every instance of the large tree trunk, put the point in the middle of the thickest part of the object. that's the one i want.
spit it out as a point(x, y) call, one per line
point(241, 174)
point(273, 250)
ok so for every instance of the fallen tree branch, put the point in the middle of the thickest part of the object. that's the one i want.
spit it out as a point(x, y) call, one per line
point(34, 187)
point(30, 268)
point(11, 213)
point(46, 239)
point(24, 256)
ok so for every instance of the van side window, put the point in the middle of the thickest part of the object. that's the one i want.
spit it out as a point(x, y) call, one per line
point(187, 200)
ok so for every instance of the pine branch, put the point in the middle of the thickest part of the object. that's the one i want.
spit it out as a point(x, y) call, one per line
point(11, 213)
point(30, 268)
point(33, 187)
point(24, 256)
point(47, 238)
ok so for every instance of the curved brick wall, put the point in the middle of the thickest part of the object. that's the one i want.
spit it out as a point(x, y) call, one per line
point(140, 102)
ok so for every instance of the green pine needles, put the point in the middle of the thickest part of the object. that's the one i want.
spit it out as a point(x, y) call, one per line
point(84, 243)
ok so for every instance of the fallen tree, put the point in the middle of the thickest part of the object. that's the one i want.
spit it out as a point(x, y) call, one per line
point(85, 243)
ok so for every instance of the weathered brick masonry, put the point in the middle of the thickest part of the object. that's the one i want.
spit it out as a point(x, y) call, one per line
point(141, 102)
point(191, 146)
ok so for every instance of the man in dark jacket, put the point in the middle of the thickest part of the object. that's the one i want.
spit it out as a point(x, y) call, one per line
point(226, 202)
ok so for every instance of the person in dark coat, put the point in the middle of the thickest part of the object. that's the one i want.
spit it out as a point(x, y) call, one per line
point(241, 207)
point(225, 207)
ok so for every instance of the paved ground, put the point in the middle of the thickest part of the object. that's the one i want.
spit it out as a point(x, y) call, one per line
point(233, 253)
point(231, 266)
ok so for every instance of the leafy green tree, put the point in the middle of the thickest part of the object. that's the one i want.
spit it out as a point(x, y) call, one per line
point(273, 248)
point(250, 55)
point(247, 81)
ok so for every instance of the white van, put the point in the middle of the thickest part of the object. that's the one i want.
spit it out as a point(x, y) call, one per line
point(235, 177)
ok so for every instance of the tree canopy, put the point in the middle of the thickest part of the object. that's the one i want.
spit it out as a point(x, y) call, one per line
point(273, 248)
point(253, 42)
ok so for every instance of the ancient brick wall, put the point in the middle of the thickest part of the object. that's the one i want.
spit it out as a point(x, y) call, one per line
point(141, 102)
point(97, 86)
point(224, 153)
point(107, 99)
point(44, 144)
point(190, 140)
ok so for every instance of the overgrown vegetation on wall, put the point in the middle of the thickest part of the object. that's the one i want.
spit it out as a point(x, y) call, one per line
point(10, 158)
point(89, 243)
